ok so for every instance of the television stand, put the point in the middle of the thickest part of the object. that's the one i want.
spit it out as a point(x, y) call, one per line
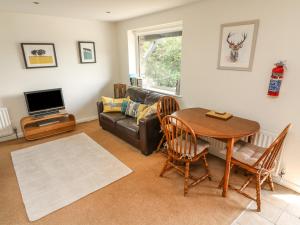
point(41, 115)
point(39, 127)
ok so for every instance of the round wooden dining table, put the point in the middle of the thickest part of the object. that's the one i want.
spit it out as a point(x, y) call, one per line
point(229, 131)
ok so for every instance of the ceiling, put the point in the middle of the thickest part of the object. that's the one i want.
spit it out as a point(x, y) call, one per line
point(91, 9)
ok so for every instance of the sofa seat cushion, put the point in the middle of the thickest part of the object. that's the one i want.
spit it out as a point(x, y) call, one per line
point(246, 152)
point(112, 117)
point(128, 126)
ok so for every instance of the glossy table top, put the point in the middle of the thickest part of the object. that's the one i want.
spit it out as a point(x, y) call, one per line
point(235, 127)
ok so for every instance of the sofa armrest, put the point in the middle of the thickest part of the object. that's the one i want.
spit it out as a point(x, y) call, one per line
point(100, 107)
point(100, 110)
point(150, 134)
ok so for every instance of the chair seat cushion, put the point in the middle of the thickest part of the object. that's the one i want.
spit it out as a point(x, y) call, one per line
point(246, 152)
point(128, 126)
point(201, 146)
point(112, 116)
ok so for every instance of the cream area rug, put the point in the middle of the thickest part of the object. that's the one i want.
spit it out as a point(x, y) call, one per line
point(57, 173)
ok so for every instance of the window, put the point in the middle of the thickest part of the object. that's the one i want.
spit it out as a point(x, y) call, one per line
point(159, 60)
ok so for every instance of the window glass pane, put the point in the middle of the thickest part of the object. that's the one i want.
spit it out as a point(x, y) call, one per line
point(160, 60)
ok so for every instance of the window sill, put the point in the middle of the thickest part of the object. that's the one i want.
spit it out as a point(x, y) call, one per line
point(161, 91)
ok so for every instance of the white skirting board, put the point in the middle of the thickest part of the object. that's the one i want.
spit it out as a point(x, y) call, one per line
point(286, 183)
point(20, 133)
point(11, 137)
point(87, 119)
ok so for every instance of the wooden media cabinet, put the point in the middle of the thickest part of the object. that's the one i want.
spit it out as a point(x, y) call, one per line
point(39, 127)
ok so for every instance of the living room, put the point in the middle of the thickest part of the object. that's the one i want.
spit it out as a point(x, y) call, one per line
point(141, 196)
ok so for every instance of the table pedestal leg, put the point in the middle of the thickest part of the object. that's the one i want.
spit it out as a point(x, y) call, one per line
point(230, 144)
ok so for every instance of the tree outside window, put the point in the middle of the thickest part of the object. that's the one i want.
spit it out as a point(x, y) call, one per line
point(160, 60)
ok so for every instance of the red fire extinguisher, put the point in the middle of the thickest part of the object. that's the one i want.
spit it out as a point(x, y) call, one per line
point(276, 78)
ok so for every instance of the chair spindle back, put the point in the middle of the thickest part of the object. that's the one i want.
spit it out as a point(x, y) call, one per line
point(166, 106)
point(266, 161)
point(181, 139)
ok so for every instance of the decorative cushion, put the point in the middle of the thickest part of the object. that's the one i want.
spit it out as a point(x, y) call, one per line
point(246, 152)
point(150, 110)
point(124, 105)
point(134, 109)
point(111, 104)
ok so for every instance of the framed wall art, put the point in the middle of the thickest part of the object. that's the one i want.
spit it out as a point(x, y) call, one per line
point(39, 55)
point(87, 52)
point(237, 45)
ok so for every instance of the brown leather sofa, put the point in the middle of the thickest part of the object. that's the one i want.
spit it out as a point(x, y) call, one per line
point(144, 136)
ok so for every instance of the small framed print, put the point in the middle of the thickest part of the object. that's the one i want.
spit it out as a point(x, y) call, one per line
point(39, 55)
point(87, 51)
point(237, 45)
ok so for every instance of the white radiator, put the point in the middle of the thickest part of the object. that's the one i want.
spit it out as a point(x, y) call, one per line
point(263, 139)
point(5, 123)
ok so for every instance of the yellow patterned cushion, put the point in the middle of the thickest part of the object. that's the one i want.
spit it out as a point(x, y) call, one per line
point(152, 109)
point(141, 108)
point(134, 109)
point(112, 104)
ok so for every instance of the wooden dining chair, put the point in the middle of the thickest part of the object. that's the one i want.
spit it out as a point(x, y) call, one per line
point(166, 106)
point(183, 146)
point(259, 162)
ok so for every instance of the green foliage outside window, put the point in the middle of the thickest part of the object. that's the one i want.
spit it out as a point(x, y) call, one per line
point(160, 61)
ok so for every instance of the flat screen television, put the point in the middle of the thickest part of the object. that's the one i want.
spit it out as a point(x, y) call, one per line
point(44, 101)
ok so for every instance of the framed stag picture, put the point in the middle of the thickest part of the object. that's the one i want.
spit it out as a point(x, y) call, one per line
point(39, 55)
point(237, 45)
point(87, 52)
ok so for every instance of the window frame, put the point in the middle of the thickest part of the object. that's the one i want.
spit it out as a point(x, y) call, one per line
point(159, 29)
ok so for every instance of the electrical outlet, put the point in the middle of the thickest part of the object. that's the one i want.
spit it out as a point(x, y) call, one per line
point(282, 172)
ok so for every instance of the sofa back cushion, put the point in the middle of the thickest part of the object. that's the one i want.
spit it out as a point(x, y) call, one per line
point(143, 96)
point(137, 94)
point(152, 98)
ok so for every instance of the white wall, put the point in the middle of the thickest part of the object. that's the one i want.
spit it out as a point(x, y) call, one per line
point(82, 84)
point(242, 93)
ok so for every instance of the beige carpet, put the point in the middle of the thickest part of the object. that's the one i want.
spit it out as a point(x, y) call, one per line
point(57, 173)
point(142, 198)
